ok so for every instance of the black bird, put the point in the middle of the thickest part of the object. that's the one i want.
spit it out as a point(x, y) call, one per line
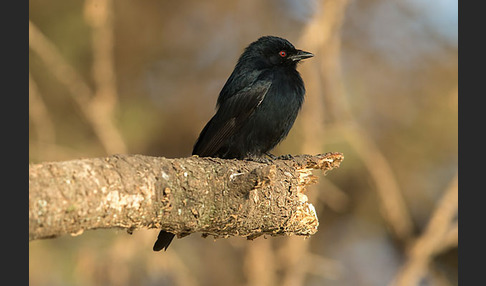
point(256, 107)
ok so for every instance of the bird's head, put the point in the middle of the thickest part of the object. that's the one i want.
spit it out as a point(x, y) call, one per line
point(271, 51)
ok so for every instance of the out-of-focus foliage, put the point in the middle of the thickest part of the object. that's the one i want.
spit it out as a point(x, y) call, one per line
point(399, 72)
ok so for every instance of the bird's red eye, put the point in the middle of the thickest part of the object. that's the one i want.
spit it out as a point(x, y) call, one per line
point(283, 54)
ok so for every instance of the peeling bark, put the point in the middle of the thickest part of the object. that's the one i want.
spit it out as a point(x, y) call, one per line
point(209, 195)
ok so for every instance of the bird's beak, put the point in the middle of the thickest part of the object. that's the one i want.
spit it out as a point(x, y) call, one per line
point(300, 55)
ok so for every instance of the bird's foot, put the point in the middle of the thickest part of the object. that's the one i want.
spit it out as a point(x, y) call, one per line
point(285, 157)
point(273, 157)
point(260, 159)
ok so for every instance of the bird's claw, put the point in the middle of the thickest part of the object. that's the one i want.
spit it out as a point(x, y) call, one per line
point(259, 159)
point(273, 157)
point(285, 157)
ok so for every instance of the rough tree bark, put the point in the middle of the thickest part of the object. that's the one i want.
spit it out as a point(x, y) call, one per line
point(208, 195)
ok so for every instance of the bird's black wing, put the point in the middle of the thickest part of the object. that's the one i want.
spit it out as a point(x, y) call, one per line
point(232, 113)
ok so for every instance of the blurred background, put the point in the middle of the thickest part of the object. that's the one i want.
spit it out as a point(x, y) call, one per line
point(142, 77)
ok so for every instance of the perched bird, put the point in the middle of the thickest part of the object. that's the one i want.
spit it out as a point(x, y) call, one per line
point(256, 107)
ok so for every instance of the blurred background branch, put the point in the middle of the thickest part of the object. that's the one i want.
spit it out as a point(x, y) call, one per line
point(324, 35)
point(97, 106)
point(440, 234)
point(321, 35)
point(111, 77)
point(44, 126)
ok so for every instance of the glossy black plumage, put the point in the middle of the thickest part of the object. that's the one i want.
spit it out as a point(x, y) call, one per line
point(256, 107)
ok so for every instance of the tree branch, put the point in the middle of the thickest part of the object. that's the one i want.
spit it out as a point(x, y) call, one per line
point(209, 195)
